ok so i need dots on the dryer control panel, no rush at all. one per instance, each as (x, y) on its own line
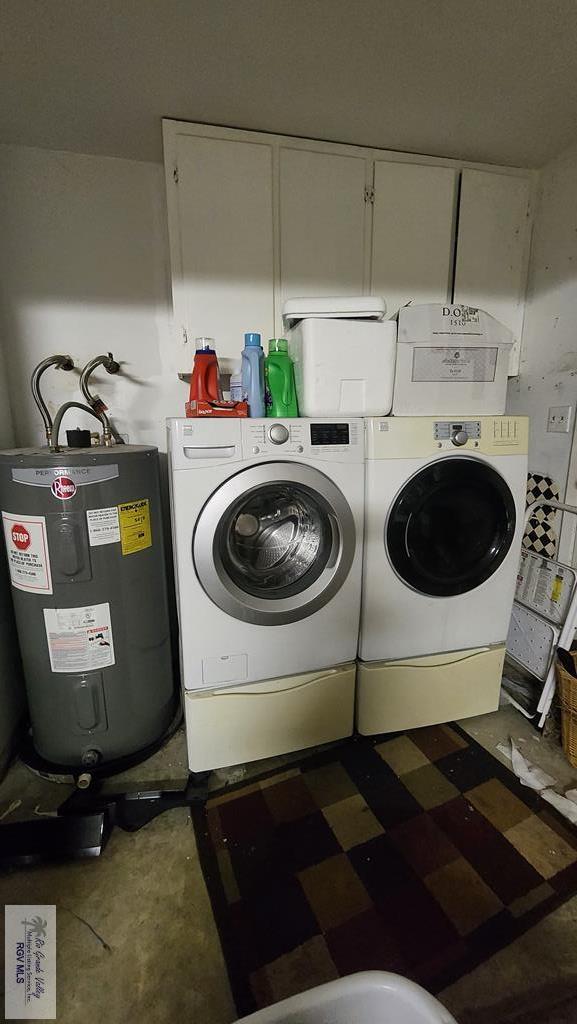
(497, 432)
(407, 437)
(457, 433)
(445, 429)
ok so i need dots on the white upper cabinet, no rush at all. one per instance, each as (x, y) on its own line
(413, 218)
(255, 219)
(493, 247)
(221, 230)
(323, 223)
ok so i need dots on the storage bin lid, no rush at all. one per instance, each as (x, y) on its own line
(331, 307)
(435, 323)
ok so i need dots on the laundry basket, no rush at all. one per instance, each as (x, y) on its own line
(372, 997)
(567, 689)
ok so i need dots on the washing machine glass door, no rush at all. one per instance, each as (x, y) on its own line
(450, 526)
(274, 543)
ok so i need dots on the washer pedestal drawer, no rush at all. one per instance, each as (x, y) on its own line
(395, 695)
(246, 723)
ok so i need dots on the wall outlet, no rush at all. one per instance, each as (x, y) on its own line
(559, 419)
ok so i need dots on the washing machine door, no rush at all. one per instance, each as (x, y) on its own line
(274, 543)
(450, 526)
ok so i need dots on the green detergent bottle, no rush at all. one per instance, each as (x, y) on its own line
(281, 396)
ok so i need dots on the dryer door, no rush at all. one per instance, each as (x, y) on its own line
(274, 543)
(450, 526)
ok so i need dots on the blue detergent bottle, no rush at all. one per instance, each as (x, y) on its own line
(253, 375)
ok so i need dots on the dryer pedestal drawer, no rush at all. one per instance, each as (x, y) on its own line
(231, 726)
(394, 695)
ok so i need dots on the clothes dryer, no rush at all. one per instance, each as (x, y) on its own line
(445, 507)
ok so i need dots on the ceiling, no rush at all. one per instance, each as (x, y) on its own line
(487, 80)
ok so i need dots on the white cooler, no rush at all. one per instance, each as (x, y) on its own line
(451, 361)
(343, 353)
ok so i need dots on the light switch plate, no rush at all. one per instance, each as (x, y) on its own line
(559, 419)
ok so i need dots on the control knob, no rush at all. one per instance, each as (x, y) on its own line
(459, 437)
(278, 433)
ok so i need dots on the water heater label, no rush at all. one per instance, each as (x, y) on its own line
(27, 550)
(79, 639)
(135, 532)
(103, 526)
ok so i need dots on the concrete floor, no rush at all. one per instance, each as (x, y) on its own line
(534, 980)
(145, 899)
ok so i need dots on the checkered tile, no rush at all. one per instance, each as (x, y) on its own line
(417, 853)
(542, 487)
(540, 535)
(541, 538)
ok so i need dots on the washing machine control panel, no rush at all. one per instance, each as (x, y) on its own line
(342, 440)
(329, 433)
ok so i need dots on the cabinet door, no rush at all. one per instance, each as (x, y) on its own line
(492, 247)
(223, 252)
(323, 221)
(413, 218)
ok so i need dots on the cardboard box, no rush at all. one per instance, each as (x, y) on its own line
(230, 409)
(451, 361)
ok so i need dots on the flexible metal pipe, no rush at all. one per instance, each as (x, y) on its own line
(109, 363)
(62, 363)
(107, 437)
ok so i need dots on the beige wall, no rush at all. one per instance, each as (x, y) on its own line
(548, 370)
(84, 269)
(550, 337)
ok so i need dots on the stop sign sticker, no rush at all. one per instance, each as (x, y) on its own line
(63, 487)
(28, 554)
(20, 537)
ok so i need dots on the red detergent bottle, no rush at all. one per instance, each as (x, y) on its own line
(205, 380)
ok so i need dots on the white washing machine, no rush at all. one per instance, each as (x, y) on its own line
(267, 520)
(444, 521)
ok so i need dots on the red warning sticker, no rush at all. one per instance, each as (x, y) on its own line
(27, 550)
(20, 537)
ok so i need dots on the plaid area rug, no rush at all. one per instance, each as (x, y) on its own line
(419, 854)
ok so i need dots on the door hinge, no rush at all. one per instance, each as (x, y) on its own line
(175, 175)
(369, 195)
(184, 336)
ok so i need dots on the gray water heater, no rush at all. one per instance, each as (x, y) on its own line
(85, 551)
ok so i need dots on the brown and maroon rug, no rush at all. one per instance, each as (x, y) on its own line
(419, 854)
